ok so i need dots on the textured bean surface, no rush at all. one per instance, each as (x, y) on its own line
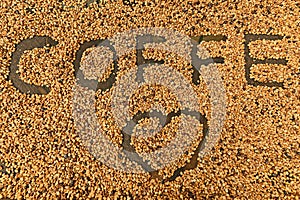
(258, 55)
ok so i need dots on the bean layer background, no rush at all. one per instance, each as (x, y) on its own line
(257, 155)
